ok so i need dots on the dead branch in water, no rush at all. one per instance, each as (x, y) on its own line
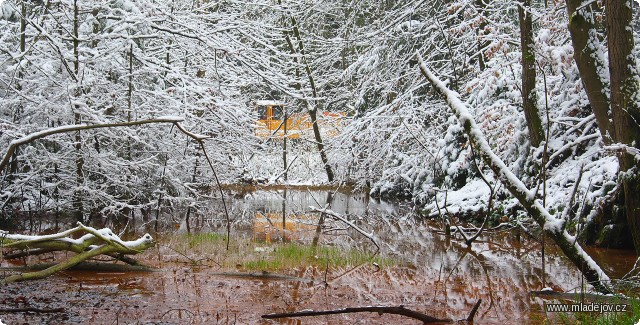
(337, 216)
(397, 310)
(32, 310)
(93, 243)
(474, 310)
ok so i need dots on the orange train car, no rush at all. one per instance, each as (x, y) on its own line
(271, 122)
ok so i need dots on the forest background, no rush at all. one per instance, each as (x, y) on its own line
(564, 121)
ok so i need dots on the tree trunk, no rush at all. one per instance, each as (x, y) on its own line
(311, 109)
(625, 104)
(582, 27)
(529, 95)
(482, 42)
(77, 195)
(13, 169)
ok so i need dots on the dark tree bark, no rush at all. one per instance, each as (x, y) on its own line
(582, 27)
(625, 104)
(77, 195)
(312, 109)
(482, 43)
(529, 95)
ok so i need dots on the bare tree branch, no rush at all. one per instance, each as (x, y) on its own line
(71, 128)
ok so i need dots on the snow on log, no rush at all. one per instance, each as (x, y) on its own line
(95, 242)
(553, 227)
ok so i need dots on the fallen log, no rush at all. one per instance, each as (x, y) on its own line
(397, 310)
(85, 266)
(95, 242)
(553, 226)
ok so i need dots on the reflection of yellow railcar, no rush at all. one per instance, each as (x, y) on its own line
(271, 115)
(270, 227)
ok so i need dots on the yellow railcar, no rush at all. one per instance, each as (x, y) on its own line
(272, 122)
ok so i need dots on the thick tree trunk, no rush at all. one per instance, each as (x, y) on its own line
(591, 64)
(553, 227)
(625, 104)
(529, 95)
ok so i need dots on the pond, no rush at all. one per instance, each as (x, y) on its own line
(200, 282)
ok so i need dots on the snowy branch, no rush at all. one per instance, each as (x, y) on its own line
(552, 226)
(619, 147)
(70, 128)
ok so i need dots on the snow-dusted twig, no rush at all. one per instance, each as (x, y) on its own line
(619, 147)
(286, 170)
(200, 140)
(492, 191)
(580, 140)
(565, 213)
(197, 137)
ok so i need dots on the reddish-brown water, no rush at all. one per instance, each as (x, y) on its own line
(431, 274)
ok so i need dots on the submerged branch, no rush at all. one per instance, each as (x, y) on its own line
(337, 216)
(399, 310)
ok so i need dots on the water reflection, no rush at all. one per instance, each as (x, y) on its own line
(432, 273)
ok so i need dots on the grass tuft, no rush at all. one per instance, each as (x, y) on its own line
(291, 255)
